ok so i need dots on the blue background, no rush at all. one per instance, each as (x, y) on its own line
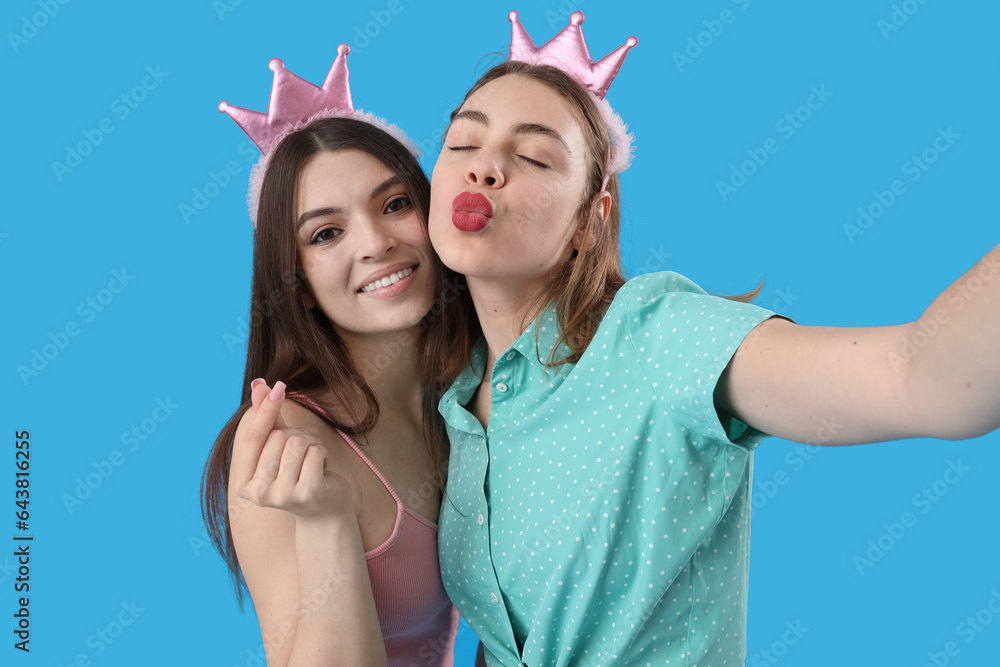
(139, 537)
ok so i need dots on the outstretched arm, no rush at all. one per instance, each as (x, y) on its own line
(298, 542)
(936, 377)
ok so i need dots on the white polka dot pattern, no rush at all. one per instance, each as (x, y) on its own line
(616, 504)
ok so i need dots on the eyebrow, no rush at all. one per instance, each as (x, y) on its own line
(336, 210)
(521, 128)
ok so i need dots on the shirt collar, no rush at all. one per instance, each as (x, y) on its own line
(547, 327)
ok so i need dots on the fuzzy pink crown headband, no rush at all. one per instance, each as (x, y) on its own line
(568, 52)
(294, 104)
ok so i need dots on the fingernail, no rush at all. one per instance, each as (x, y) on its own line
(311, 429)
(278, 392)
(253, 385)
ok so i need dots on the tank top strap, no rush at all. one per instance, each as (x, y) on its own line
(318, 409)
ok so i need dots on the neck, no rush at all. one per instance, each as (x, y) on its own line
(505, 310)
(390, 364)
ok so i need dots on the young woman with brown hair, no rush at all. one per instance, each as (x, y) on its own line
(602, 433)
(324, 499)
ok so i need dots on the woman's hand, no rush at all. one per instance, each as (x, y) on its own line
(304, 566)
(284, 468)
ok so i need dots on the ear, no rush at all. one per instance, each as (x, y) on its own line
(602, 204)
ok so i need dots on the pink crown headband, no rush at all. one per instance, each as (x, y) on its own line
(294, 104)
(568, 52)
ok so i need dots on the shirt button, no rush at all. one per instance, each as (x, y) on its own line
(510, 355)
(501, 387)
(481, 519)
(494, 597)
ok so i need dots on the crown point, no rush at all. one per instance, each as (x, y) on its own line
(223, 106)
(275, 64)
(576, 18)
(632, 41)
(343, 49)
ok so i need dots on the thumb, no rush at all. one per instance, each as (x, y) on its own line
(259, 390)
(248, 447)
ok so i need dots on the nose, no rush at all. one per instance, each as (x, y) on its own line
(486, 170)
(377, 241)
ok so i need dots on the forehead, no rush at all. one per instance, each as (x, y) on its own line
(513, 99)
(338, 178)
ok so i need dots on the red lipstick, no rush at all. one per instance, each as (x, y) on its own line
(472, 212)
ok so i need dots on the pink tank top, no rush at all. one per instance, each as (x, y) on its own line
(417, 618)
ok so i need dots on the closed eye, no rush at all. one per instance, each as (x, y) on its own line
(462, 148)
(536, 163)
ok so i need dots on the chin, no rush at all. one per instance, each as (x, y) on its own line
(456, 250)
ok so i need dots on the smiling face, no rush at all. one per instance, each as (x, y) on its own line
(507, 187)
(364, 250)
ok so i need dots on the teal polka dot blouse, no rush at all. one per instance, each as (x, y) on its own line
(603, 519)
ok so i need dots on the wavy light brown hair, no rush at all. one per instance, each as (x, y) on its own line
(299, 346)
(583, 289)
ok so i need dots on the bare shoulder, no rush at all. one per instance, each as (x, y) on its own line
(338, 454)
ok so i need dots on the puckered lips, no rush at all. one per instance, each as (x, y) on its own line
(472, 212)
(389, 281)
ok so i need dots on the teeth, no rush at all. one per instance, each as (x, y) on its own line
(391, 279)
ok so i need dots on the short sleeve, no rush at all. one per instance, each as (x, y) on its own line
(684, 338)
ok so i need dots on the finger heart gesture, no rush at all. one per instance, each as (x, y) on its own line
(284, 468)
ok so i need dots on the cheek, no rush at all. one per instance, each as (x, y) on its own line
(309, 264)
(323, 269)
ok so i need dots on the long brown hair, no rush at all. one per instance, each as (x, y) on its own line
(299, 346)
(582, 289)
